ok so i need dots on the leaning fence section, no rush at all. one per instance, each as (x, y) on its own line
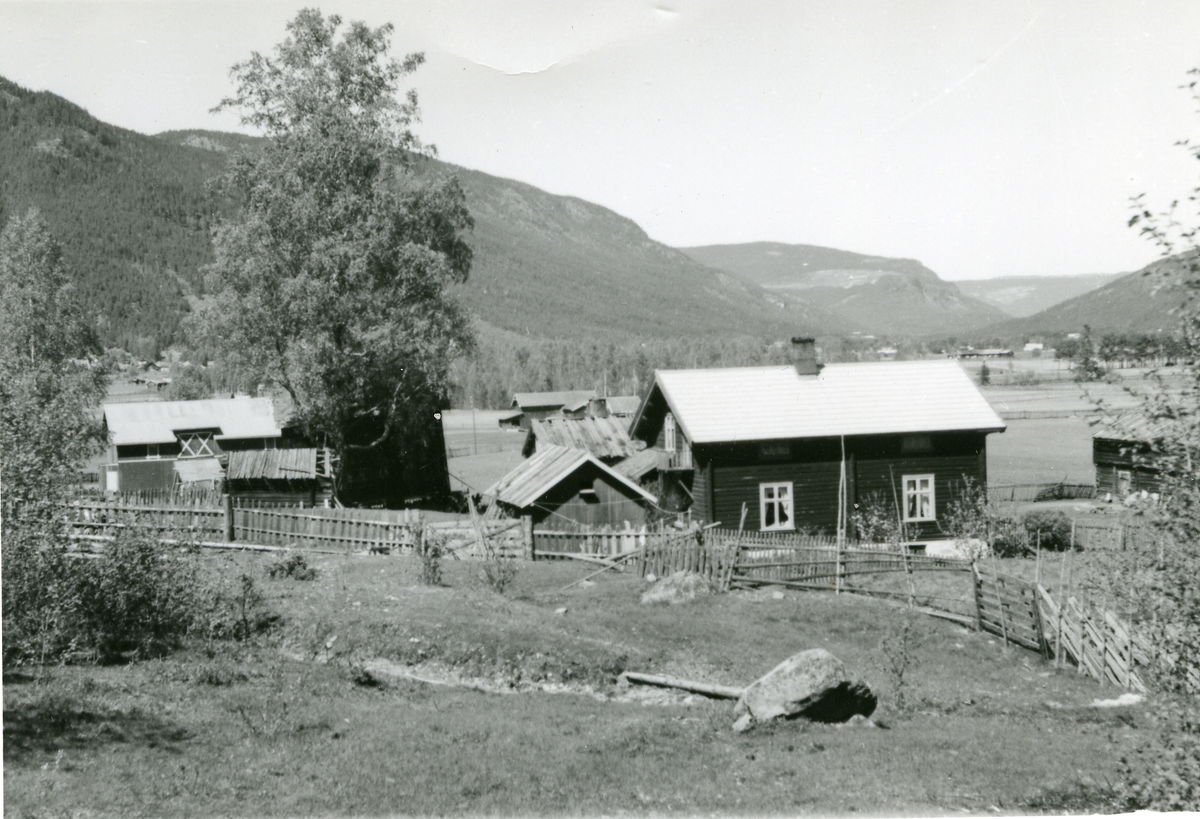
(1097, 642)
(1008, 607)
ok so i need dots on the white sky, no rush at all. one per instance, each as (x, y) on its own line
(984, 138)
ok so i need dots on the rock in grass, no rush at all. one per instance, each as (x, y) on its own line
(812, 684)
(677, 588)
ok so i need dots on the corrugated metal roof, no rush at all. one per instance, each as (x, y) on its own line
(603, 437)
(556, 399)
(273, 464)
(764, 403)
(623, 404)
(155, 422)
(537, 475)
(198, 470)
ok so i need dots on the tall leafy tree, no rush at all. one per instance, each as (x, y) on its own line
(48, 425)
(332, 282)
(48, 392)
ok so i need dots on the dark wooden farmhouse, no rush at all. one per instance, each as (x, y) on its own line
(776, 439)
(1125, 453)
(565, 489)
(155, 445)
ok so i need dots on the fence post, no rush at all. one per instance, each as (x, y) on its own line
(978, 582)
(229, 529)
(527, 536)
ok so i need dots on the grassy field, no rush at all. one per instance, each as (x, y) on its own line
(517, 710)
(1045, 450)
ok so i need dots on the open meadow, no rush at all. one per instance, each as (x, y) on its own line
(374, 694)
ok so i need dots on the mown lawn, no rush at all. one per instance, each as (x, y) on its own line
(315, 718)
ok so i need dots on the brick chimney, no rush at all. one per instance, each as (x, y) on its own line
(804, 355)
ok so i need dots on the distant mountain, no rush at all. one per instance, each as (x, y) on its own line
(135, 221)
(130, 211)
(1145, 301)
(1021, 296)
(558, 266)
(882, 295)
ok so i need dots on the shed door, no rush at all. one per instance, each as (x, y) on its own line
(112, 478)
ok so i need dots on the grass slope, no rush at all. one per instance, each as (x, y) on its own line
(308, 722)
(882, 295)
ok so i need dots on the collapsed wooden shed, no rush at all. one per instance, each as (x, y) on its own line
(561, 488)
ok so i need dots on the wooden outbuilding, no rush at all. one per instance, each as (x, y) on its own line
(799, 444)
(564, 489)
(1125, 453)
(301, 476)
(535, 406)
(155, 445)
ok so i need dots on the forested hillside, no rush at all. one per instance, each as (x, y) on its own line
(1147, 301)
(130, 211)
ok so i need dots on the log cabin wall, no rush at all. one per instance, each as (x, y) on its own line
(1111, 457)
(728, 475)
(589, 498)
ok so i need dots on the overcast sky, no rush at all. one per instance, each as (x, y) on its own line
(983, 138)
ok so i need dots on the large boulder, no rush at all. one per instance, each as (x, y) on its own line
(812, 684)
(678, 588)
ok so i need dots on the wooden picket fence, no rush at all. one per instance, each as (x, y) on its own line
(95, 519)
(602, 542)
(691, 551)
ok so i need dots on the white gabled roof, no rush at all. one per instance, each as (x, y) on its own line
(765, 403)
(155, 422)
(534, 477)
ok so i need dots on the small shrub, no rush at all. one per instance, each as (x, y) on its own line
(898, 649)
(293, 566)
(1054, 528)
(139, 596)
(238, 613)
(430, 550)
(1008, 537)
(876, 520)
(499, 572)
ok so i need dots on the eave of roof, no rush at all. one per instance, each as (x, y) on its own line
(772, 403)
(533, 477)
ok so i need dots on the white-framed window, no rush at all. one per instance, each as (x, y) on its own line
(919, 498)
(196, 445)
(775, 507)
(669, 432)
(153, 453)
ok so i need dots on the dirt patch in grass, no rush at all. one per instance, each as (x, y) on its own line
(289, 726)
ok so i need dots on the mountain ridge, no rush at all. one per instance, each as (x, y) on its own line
(888, 295)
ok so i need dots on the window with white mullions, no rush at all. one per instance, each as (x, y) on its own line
(196, 445)
(775, 506)
(918, 498)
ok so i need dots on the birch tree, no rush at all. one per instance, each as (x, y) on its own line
(333, 280)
